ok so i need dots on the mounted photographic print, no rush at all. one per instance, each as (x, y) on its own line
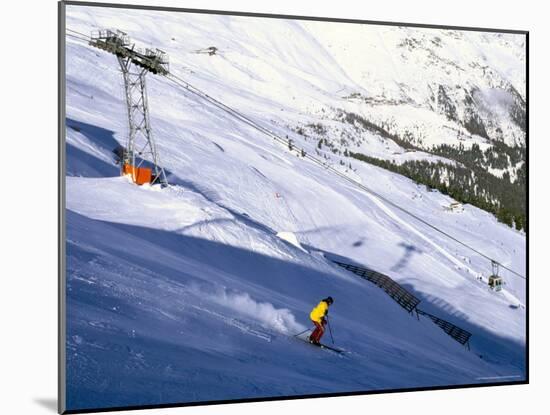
(258, 207)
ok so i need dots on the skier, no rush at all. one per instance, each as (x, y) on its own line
(317, 316)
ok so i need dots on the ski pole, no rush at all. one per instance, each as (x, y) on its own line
(302, 332)
(329, 329)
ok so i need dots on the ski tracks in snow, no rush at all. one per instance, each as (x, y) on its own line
(245, 328)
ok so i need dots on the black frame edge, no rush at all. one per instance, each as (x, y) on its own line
(291, 398)
(288, 16)
(527, 208)
(61, 236)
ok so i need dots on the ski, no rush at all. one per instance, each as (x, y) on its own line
(324, 346)
(299, 336)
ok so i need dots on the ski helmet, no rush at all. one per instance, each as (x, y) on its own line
(329, 300)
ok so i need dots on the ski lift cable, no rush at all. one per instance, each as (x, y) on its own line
(243, 118)
(74, 33)
(76, 37)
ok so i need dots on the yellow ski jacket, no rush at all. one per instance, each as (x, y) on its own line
(319, 312)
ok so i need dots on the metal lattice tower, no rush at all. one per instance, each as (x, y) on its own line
(135, 64)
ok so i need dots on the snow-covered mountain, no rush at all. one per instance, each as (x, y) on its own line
(192, 292)
(475, 80)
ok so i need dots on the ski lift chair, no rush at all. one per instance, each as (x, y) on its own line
(495, 281)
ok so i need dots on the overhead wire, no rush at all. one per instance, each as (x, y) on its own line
(76, 37)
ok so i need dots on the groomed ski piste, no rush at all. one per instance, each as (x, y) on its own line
(194, 292)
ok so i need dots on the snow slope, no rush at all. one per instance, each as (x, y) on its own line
(192, 292)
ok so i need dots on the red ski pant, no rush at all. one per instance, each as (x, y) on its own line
(318, 332)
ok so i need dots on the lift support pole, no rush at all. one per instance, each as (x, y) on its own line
(135, 64)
